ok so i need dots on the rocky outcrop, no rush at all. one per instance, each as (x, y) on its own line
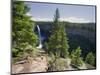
(39, 64)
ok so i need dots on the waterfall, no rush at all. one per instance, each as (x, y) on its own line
(40, 41)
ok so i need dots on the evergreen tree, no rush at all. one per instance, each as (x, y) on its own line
(90, 58)
(58, 42)
(22, 28)
(76, 57)
(64, 42)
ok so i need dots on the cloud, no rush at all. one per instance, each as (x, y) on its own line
(41, 19)
(68, 19)
(75, 20)
(28, 14)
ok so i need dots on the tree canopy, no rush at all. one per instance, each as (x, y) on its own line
(58, 41)
(90, 58)
(22, 28)
(76, 57)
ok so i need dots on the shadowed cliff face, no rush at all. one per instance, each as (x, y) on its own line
(82, 32)
(82, 35)
(86, 30)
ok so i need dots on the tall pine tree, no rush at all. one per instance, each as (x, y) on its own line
(58, 42)
(22, 28)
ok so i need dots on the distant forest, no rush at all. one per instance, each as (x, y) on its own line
(82, 34)
(86, 26)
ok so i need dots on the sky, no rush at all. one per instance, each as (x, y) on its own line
(71, 13)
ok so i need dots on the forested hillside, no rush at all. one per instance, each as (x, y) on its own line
(82, 34)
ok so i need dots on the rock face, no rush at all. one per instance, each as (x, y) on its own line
(69, 65)
(38, 64)
(82, 32)
(73, 29)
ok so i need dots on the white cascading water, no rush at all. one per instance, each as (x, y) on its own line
(40, 42)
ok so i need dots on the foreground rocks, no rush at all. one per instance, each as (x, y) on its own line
(39, 64)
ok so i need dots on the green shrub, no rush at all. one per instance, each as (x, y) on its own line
(90, 58)
(76, 57)
(23, 51)
(57, 64)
